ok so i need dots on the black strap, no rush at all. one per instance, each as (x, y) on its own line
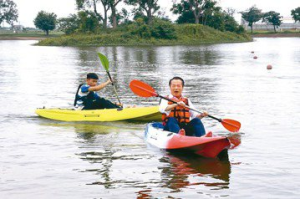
(76, 96)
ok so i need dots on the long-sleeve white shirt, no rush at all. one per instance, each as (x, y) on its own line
(164, 103)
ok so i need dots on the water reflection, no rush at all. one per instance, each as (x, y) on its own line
(105, 160)
(82, 127)
(183, 171)
(200, 56)
(144, 194)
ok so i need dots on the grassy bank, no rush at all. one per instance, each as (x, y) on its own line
(188, 34)
(35, 35)
(266, 33)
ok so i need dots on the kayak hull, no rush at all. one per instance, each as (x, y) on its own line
(146, 114)
(209, 147)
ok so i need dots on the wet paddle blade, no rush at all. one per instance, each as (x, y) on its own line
(104, 61)
(231, 125)
(142, 89)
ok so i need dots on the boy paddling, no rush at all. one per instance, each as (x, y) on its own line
(176, 117)
(86, 97)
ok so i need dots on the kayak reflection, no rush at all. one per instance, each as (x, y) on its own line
(91, 128)
(183, 171)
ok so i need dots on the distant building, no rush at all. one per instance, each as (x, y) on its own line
(17, 28)
(288, 23)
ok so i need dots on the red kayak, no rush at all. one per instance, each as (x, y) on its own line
(209, 147)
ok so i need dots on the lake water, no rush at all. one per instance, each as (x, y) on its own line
(41, 158)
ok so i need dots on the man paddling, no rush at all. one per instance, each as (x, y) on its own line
(86, 98)
(176, 117)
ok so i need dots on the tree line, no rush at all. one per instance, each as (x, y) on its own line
(254, 14)
(96, 15)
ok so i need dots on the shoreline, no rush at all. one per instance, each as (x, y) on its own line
(260, 35)
(136, 44)
(275, 35)
(21, 38)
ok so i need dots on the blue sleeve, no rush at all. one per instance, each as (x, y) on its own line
(85, 88)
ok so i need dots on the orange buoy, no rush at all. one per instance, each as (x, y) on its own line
(269, 67)
(255, 57)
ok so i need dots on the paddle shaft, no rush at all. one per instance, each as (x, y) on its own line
(168, 99)
(188, 107)
(115, 90)
(219, 120)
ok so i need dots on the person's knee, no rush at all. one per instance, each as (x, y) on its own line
(172, 119)
(196, 121)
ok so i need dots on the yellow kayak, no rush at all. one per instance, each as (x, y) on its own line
(102, 115)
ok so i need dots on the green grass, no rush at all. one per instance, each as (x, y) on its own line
(29, 33)
(187, 34)
(272, 32)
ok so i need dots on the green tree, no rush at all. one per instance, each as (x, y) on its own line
(84, 21)
(273, 18)
(183, 10)
(88, 22)
(148, 6)
(216, 21)
(163, 29)
(195, 11)
(252, 15)
(8, 11)
(209, 8)
(296, 14)
(85, 5)
(113, 4)
(160, 29)
(69, 24)
(45, 21)
(124, 16)
(138, 14)
(230, 23)
(212, 16)
(121, 17)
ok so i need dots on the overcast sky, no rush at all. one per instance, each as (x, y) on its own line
(28, 9)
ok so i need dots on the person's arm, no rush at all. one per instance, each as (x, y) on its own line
(195, 114)
(100, 86)
(165, 107)
(162, 106)
(202, 115)
(171, 106)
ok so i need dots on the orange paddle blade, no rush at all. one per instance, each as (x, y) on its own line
(142, 89)
(231, 125)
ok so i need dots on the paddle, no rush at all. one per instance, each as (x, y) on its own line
(105, 64)
(144, 90)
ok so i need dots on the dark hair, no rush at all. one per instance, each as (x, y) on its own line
(92, 76)
(176, 78)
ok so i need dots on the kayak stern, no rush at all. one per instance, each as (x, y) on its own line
(209, 147)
